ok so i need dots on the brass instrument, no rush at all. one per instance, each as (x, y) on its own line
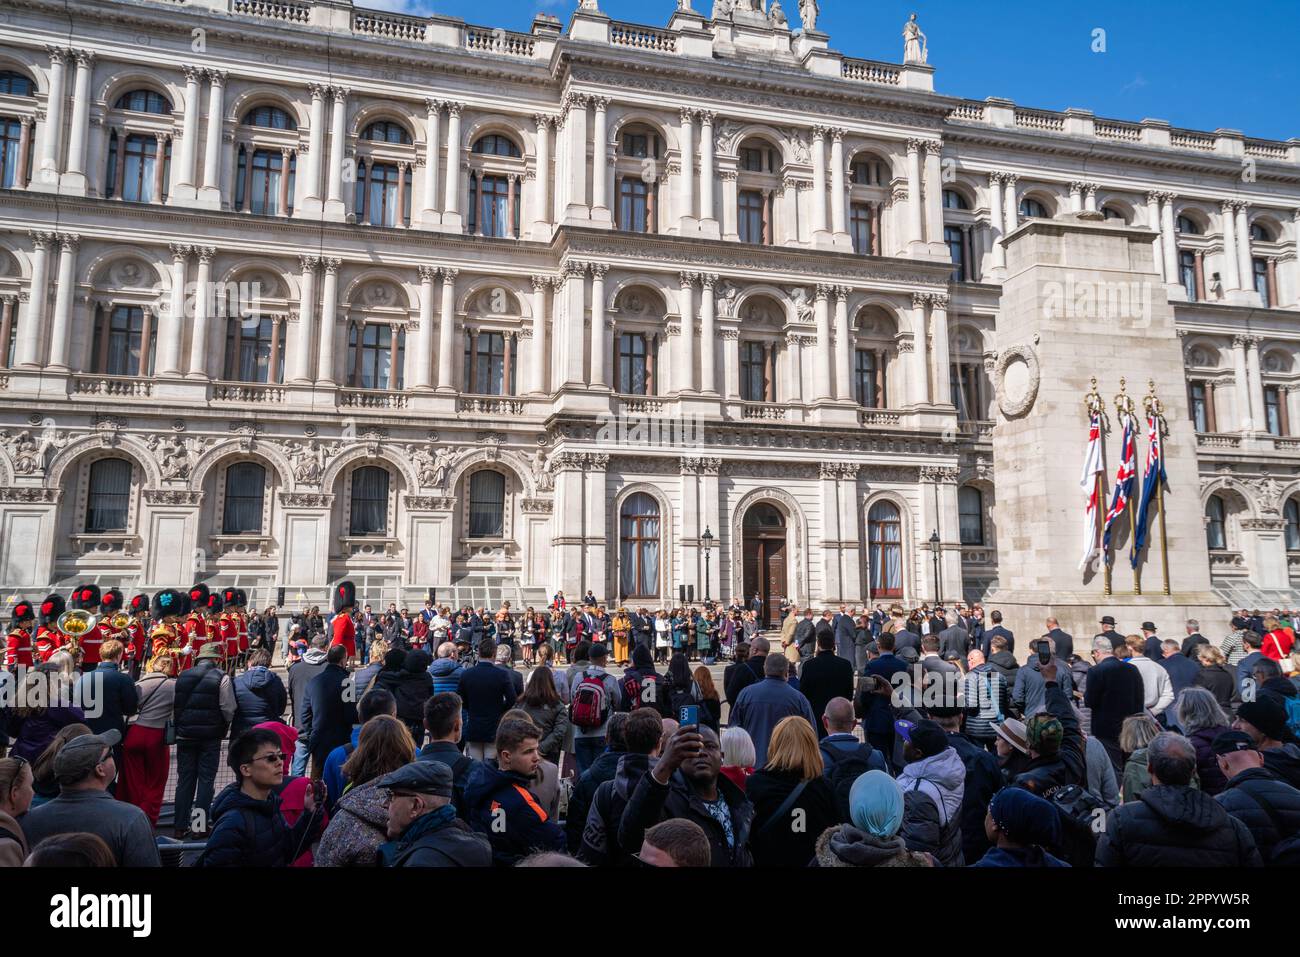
(120, 621)
(74, 624)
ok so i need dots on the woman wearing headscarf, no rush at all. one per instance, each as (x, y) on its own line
(1020, 825)
(872, 839)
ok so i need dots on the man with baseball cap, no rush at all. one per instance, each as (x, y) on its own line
(423, 828)
(84, 769)
(933, 783)
(1265, 721)
(1258, 798)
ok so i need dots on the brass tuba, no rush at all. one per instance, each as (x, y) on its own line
(74, 624)
(120, 621)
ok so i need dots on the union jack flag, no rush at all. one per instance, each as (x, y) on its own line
(1155, 475)
(1124, 477)
(1092, 467)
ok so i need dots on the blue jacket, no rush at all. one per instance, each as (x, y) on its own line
(488, 693)
(1019, 857)
(446, 675)
(991, 633)
(846, 633)
(259, 697)
(1182, 672)
(333, 773)
(494, 796)
(760, 708)
(115, 695)
(251, 833)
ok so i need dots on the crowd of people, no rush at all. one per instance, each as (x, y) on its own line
(834, 738)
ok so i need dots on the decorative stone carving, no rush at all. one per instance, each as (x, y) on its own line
(1268, 494)
(175, 455)
(940, 474)
(1016, 378)
(694, 465)
(308, 460)
(543, 480)
(172, 496)
(247, 435)
(32, 453)
(537, 506)
(803, 307)
(306, 499)
(430, 503)
(29, 494)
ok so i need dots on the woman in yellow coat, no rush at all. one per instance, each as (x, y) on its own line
(622, 629)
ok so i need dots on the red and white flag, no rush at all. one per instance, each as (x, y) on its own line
(1092, 467)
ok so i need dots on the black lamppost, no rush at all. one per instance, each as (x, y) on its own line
(938, 571)
(707, 540)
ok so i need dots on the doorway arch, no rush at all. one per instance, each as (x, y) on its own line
(764, 558)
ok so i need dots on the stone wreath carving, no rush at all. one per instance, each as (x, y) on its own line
(1017, 392)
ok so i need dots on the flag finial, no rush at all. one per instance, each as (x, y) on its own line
(1093, 403)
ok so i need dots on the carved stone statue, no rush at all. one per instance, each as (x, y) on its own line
(723, 9)
(308, 462)
(808, 11)
(727, 297)
(173, 457)
(776, 16)
(803, 307)
(915, 47)
(423, 461)
(541, 470)
(442, 460)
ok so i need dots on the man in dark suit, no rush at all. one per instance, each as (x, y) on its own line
(329, 715)
(1194, 638)
(846, 634)
(824, 626)
(824, 676)
(1062, 641)
(805, 635)
(1153, 649)
(877, 714)
(1114, 692)
(997, 629)
(1108, 631)
(1182, 670)
(953, 640)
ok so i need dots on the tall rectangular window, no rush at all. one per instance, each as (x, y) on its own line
(120, 354)
(376, 354)
(750, 216)
(485, 363)
(248, 350)
(1259, 268)
(952, 238)
(1196, 399)
(633, 205)
(10, 136)
(864, 378)
(860, 227)
(1187, 272)
(753, 371)
(108, 497)
(632, 363)
(1275, 410)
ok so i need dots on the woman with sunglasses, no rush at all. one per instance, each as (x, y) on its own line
(250, 831)
(15, 798)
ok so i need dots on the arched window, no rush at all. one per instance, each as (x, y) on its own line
(270, 118)
(108, 498)
(494, 144)
(970, 512)
(642, 143)
(245, 488)
(143, 101)
(1031, 208)
(1291, 512)
(869, 171)
(1186, 226)
(254, 350)
(885, 550)
(11, 132)
(376, 355)
(632, 352)
(954, 200)
(1260, 234)
(369, 512)
(1111, 213)
(639, 548)
(487, 505)
(757, 157)
(14, 83)
(1215, 530)
(386, 131)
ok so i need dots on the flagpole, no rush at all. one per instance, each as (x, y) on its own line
(1095, 405)
(1155, 409)
(1124, 408)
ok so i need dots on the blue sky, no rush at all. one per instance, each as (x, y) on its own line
(1188, 63)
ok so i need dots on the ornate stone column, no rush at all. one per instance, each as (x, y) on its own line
(301, 351)
(823, 385)
(1154, 223)
(183, 176)
(995, 222)
(600, 161)
(335, 207)
(819, 184)
(540, 354)
(1241, 383)
(423, 368)
(211, 191)
(1231, 276)
(171, 330)
(202, 310)
(599, 348)
(684, 362)
(311, 170)
(47, 149)
(65, 287)
(447, 330)
(329, 323)
(75, 178)
(942, 366)
(451, 203)
(542, 193)
(933, 192)
(1169, 236)
(706, 170)
(1256, 383)
(838, 205)
(843, 346)
(429, 213)
(708, 335)
(921, 360)
(31, 326)
(730, 201)
(1245, 265)
(686, 185)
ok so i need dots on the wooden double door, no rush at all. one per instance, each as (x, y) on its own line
(764, 560)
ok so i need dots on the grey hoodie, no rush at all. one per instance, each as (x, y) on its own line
(942, 777)
(932, 794)
(300, 675)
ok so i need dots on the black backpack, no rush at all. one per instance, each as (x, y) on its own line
(842, 769)
(1082, 816)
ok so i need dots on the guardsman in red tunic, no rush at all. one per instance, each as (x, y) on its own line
(168, 608)
(48, 637)
(110, 603)
(223, 631)
(243, 627)
(86, 598)
(345, 632)
(138, 631)
(232, 596)
(195, 627)
(18, 643)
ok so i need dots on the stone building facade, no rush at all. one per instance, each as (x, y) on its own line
(294, 291)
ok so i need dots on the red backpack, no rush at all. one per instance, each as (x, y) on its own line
(590, 702)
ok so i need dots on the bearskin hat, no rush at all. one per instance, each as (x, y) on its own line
(140, 604)
(86, 597)
(51, 608)
(169, 603)
(215, 604)
(198, 596)
(23, 611)
(345, 596)
(111, 601)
